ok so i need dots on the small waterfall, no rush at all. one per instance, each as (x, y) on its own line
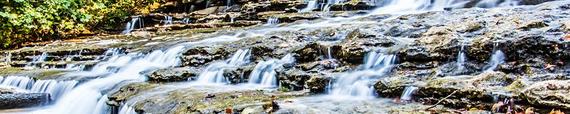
(186, 20)
(497, 3)
(232, 19)
(329, 55)
(407, 95)
(497, 58)
(167, 20)
(359, 83)
(272, 21)
(310, 6)
(18, 81)
(55, 88)
(102, 107)
(132, 24)
(461, 59)
(8, 58)
(214, 73)
(88, 96)
(36, 60)
(264, 71)
(127, 109)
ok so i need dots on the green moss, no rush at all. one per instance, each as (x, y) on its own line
(48, 74)
(9, 70)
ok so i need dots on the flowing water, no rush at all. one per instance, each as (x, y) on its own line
(311, 5)
(167, 20)
(90, 96)
(132, 24)
(272, 21)
(214, 73)
(264, 72)
(407, 95)
(358, 84)
(36, 61)
(497, 58)
(28, 85)
(461, 59)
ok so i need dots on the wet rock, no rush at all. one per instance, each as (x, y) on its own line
(23, 100)
(549, 93)
(294, 79)
(173, 75)
(532, 24)
(317, 84)
(202, 55)
(308, 53)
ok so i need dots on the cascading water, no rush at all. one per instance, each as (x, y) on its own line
(86, 97)
(167, 20)
(497, 3)
(358, 84)
(310, 6)
(329, 55)
(186, 20)
(36, 60)
(127, 109)
(272, 21)
(497, 58)
(18, 81)
(264, 71)
(53, 87)
(408, 92)
(214, 72)
(132, 24)
(461, 59)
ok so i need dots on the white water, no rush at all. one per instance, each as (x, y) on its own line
(36, 60)
(461, 59)
(53, 87)
(407, 95)
(272, 21)
(358, 84)
(329, 55)
(18, 81)
(214, 73)
(264, 72)
(86, 97)
(167, 20)
(127, 109)
(496, 3)
(132, 24)
(310, 6)
(497, 58)
(186, 20)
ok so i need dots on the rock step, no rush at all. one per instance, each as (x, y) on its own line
(23, 100)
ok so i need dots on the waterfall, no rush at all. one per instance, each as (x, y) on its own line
(272, 21)
(127, 109)
(497, 58)
(186, 20)
(53, 87)
(310, 6)
(461, 59)
(408, 92)
(132, 24)
(20, 82)
(167, 20)
(358, 84)
(264, 71)
(36, 60)
(86, 97)
(496, 3)
(214, 73)
(329, 55)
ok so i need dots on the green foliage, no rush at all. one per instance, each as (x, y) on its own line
(38, 20)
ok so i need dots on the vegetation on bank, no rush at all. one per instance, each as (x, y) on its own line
(38, 20)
